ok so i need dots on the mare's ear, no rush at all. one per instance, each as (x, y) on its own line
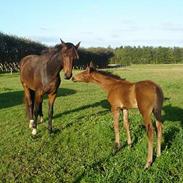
(63, 43)
(77, 46)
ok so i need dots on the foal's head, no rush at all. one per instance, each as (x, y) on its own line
(69, 54)
(84, 76)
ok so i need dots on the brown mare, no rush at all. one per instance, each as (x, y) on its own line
(123, 95)
(40, 74)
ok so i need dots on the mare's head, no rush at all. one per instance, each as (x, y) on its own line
(84, 76)
(69, 53)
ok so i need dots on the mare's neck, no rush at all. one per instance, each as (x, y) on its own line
(106, 82)
(54, 65)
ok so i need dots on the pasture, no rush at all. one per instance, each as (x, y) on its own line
(80, 149)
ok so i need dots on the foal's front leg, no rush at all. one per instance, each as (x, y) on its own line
(115, 112)
(126, 126)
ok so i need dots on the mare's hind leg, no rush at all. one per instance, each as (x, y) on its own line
(51, 100)
(126, 126)
(159, 127)
(115, 112)
(29, 104)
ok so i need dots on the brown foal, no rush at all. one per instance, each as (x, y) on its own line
(123, 95)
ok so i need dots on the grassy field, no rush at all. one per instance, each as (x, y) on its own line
(80, 149)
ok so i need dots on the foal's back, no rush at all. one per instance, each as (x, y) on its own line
(142, 95)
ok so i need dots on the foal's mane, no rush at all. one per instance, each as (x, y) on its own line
(109, 74)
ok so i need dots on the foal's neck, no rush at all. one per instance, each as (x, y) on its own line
(106, 82)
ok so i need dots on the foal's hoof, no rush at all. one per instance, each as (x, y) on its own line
(148, 164)
(41, 119)
(116, 148)
(129, 146)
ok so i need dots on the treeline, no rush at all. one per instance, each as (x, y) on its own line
(147, 55)
(13, 48)
(99, 56)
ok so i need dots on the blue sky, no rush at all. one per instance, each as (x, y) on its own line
(95, 22)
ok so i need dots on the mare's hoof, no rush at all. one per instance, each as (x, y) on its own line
(50, 131)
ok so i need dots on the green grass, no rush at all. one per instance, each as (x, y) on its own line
(80, 149)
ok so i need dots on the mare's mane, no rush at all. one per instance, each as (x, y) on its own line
(56, 48)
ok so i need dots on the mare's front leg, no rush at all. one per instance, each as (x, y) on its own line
(40, 112)
(51, 100)
(38, 100)
(115, 112)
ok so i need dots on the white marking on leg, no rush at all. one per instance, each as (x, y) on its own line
(31, 123)
(34, 131)
(41, 119)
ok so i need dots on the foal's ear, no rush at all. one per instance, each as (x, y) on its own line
(92, 66)
(77, 46)
(88, 69)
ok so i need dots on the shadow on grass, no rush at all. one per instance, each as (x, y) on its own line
(13, 98)
(102, 103)
(172, 113)
(79, 120)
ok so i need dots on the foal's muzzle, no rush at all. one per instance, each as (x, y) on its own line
(67, 76)
(73, 79)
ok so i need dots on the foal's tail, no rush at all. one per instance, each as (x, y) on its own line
(158, 103)
(32, 94)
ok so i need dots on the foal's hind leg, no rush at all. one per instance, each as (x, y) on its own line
(149, 129)
(157, 115)
(146, 113)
